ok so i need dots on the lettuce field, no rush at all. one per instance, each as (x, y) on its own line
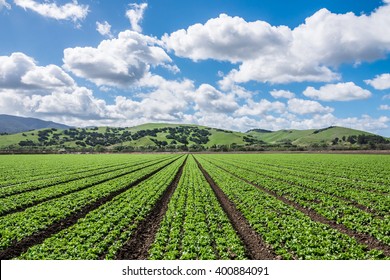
(195, 206)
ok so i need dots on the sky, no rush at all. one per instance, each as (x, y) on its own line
(236, 65)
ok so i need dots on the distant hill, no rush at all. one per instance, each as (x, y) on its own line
(12, 124)
(309, 137)
(179, 137)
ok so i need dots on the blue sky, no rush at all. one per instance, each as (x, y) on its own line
(230, 64)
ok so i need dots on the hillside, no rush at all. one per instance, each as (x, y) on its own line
(13, 124)
(309, 137)
(176, 137)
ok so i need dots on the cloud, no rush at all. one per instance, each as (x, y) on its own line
(104, 28)
(384, 107)
(282, 94)
(19, 72)
(118, 62)
(229, 39)
(237, 90)
(303, 107)
(158, 99)
(209, 99)
(365, 122)
(3, 3)
(333, 39)
(286, 121)
(70, 11)
(338, 92)
(47, 92)
(43, 91)
(12, 68)
(381, 82)
(278, 54)
(79, 103)
(260, 108)
(135, 15)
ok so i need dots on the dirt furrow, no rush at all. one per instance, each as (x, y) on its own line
(256, 248)
(138, 246)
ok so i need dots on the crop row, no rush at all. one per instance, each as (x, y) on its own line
(365, 169)
(81, 178)
(378, 203)
(290, 232)
(23, 200)
(103, 231)
(25, 168)
(195, 226)
(77, 170)
(331, 173)
(325, 205)
(14, 227)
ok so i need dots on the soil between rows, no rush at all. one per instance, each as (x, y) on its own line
(256, 248)
(365, 239)
(18, 248)
(138, 246)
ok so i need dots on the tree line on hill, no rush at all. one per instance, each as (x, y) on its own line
(173, 139)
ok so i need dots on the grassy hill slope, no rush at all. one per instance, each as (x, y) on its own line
(309, 136)
(161, 136)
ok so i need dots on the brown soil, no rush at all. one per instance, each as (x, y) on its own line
(365, 239)
(17, 248)
(256, 248)
(24, 207)
(138, 246)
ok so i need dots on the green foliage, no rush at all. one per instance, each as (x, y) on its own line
(16, 226)
(329, 185)
(195, 227)
(172, 137)
(105, 230)
(351, 190)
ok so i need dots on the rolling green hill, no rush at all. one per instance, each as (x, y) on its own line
(308, 137)
(178, 137)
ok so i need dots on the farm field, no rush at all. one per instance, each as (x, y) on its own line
(195, 206)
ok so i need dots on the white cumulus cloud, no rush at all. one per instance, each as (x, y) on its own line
(19, 72)
(380, 82)
(135, 14)
(282, 94)
(384, 107)
(303, 107)
(71, 11)
(260, 108)
(210, 99)
(338, 92)
(119, 62)
(277, 54)
(228, 38)
(104, 28)
(28, 89)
